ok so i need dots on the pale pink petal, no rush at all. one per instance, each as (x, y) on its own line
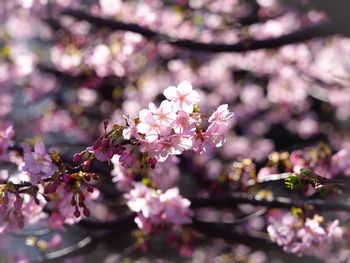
(170, 92)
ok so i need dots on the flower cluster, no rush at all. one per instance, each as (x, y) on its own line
(310, 237)
(157, 135)
(43, 179)
(175, 126)
(154, 207)
(38, 163)
(69, 207)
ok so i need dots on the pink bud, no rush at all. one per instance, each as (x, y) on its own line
(77, 212)
(87, 177)
(152, 162)
(105, 125)
(78, 158)
(86, 165)
(120, 149)
(86, 212)
(97, 144)
(90, 189)
(18, 203)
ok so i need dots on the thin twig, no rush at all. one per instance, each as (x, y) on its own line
(278, 202)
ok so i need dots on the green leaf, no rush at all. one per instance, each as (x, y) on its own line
(307, 172)
(292, 181)
(322, 190)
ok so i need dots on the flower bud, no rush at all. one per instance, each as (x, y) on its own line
(77, 212)
(78, 158)
(86, 212)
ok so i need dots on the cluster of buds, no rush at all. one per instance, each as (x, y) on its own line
(18, 206)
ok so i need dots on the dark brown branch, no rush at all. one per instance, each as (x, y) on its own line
(319, 30)
(118, 227)
(232, 200)
(60, 74)
(126, 221)
(278, 202)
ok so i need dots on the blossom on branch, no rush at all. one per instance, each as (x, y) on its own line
(38, 163)
(183, 96)
(154, 207)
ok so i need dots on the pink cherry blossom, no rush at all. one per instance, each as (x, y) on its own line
(183, 96)
(149, 126)
(143, 223)
(341, 162)
(103, 149)
(221, 116)
(184, 124)
(110, 7)
(165, 114)
(38, 163)
(304, 238)
(154, 207)
(137, 197)
(172, 145)
(127, 158)
(177, 209)
(122, 176)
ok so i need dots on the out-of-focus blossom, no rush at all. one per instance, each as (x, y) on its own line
(38, 163)
(307, 237)
(341, 162)
(154, 207)
(110, 7)
(176, 209)
(5, 141)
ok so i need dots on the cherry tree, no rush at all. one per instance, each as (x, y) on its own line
(161, 131)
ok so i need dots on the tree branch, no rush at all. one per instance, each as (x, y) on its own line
(118, 227)
(318, 30)
(235, 235)
(278, 202)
